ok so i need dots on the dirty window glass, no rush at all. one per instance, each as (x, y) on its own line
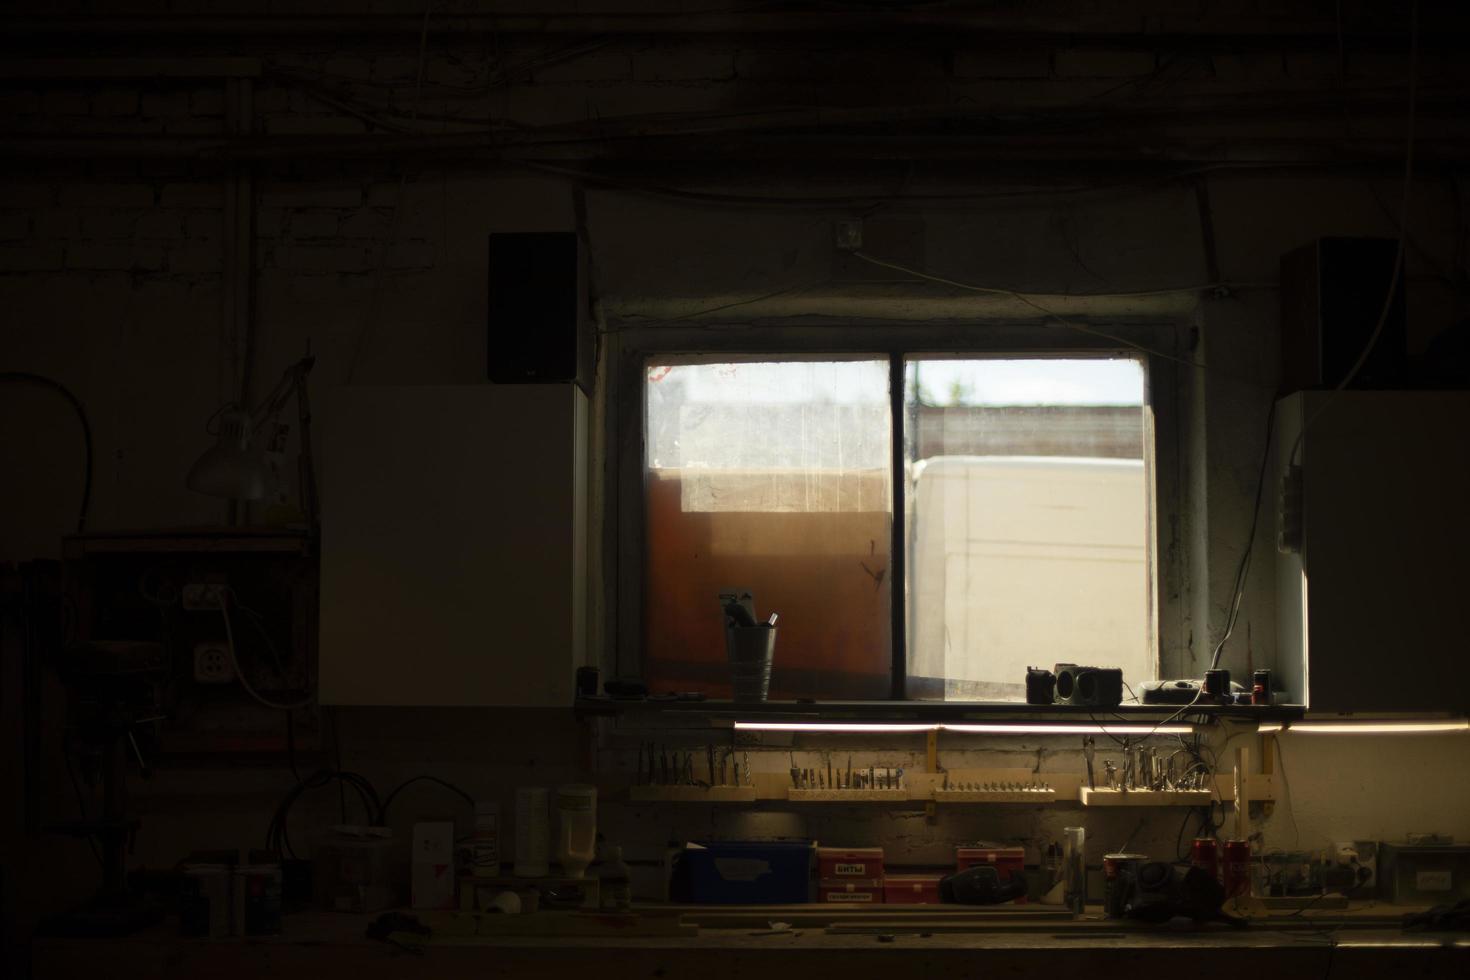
(1027, 521)
(771, 476)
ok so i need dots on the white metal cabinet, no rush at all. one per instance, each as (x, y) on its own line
(1371, 613)
(453, 545)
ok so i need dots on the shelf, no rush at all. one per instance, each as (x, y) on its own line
(720, 713)
(847, 795)
(1145, 797)
(692, 794)
(995, 796)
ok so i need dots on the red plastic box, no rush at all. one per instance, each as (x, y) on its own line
(868, 892)
(911, 889)
(849, 863)
(1007, 860)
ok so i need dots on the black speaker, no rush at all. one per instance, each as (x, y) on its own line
(1098, 687)
(1332, 293)
(538, 332)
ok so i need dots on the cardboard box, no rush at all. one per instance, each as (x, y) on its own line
(844, 863)
(432, 865)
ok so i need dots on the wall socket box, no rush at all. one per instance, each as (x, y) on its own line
(1362, 856)
(202, 595)
(212, 664)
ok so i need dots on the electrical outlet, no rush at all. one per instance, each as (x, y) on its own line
(212, 664)
(203, 595)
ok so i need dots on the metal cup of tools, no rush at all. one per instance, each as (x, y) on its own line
(750, 646)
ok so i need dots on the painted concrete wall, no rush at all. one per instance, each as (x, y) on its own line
(110, 279)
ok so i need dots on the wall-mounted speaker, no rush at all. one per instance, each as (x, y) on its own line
(1332, 293)
(538, 330)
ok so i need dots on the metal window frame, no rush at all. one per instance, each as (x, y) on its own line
(627, 349)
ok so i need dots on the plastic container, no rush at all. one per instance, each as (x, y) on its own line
(351, 869)
(911, 889)
(615, 890)
(1114, 865)
(1074, 867)
(533, 833)
(751, 652)
(205, 900)
(576, 828)
(257, 899)
(867, 892)
(1008, 861)
(485, 846)
(849, 862)
(744, 872)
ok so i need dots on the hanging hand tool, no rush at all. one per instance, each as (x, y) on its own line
(849, 772)
(748, 781)
(830, 784)
(663, 765)
(709, 751)
(795, 773)
(1089, 749)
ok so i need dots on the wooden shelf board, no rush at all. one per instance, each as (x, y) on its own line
(1145, 797)
(995, 796)
(692, 794)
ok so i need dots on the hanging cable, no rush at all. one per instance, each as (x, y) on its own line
(25, 377)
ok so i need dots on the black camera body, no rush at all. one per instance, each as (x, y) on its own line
(1094, 687)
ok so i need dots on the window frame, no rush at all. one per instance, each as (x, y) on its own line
(627, 349)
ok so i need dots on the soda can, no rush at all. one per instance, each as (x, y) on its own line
(1235, 868)
(1204, 853)
(1261, 687)
(1114, 891)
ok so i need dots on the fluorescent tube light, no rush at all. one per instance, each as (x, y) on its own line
(832, 726)
(994, 728)
(1027, 728)
(1268, 727)
(1377, 727)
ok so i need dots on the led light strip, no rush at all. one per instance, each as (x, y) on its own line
(995, 728)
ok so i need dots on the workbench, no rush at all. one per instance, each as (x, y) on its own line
(318, 945)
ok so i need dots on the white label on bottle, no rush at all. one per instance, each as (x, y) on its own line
(1433, 881)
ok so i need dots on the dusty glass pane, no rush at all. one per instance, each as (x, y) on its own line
(772, 477)
(1028, 521)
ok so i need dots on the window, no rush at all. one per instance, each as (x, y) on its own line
(1027, 521)
(1025, 485)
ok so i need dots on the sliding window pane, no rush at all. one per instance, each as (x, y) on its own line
(771, 476)
(1028, 522)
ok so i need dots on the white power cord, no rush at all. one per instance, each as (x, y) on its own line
(224, 610)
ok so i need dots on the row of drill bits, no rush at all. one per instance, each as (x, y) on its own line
(873, 777)
(971, 787)
(657, 766)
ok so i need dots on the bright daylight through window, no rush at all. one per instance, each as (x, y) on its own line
(1026, 529)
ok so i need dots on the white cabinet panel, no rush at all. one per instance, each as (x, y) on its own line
(453, 545)
(1372, 609)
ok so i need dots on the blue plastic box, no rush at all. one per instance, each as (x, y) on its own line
(745, 872)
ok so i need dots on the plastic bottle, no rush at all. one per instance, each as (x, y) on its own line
(615, 889)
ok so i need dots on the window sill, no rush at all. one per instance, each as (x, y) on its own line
(723, 713)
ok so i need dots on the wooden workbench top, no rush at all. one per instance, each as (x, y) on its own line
(319, 945)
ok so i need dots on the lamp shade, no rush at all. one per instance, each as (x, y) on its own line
(232, 468)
